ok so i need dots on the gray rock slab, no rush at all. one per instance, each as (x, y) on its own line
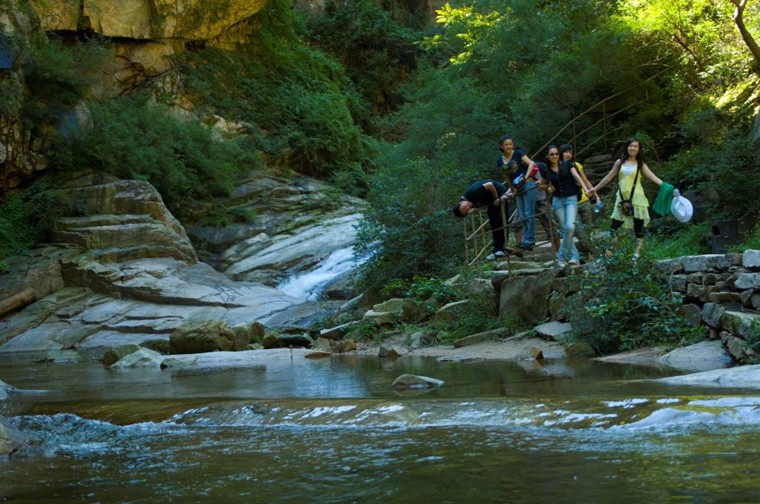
(735, 377)
(747, 281)
(751, 259)
(142, 358)
(702, 356)
(317, 240)
(554, 330)
(410, 381)
(641, 356)
(250, 359)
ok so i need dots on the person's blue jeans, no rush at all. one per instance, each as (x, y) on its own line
(526, 209)
(566, 210)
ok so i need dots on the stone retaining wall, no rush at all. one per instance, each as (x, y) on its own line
(722, 292)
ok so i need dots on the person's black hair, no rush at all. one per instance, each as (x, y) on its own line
(564, 148)
(457, 211)
(546, 156)
(639, 155)
(503, 138)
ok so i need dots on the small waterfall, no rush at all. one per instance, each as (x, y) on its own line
(309, 284)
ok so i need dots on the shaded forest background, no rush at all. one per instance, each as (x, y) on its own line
(405, 111)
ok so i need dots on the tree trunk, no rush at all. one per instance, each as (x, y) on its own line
(746, 35)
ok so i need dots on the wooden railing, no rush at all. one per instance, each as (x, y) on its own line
(606, 116)
(478, 232)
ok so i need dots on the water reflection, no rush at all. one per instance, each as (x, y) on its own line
(333, 430)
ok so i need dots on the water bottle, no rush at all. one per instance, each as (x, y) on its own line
(599, 205)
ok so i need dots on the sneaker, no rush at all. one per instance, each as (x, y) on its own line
(635, 257)
(574, 262)
(561, 264)
(498, 253)
(526, 246)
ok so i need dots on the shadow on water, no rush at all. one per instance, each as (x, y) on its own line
(333, 430)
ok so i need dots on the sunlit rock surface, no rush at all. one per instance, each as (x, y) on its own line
(146, 19)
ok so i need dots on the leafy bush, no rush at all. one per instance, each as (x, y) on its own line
(753, 342)
(629, 305)
(410, 220)
(25, 218)
(298, 101)
(58, 76)
(750, 241)
(673, 239)
(137, 140)
(421, 289)
(376, 51)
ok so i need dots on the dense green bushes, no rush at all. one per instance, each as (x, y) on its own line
(135, 139)
(626, 305)
(377, 52)
(57, 76)
(26, 218)
(410, 220)
(298, 101)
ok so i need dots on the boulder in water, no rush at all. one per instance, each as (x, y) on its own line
(208, 336)
(143, 358)
(410, 381)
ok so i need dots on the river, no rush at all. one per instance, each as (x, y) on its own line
(333, 430)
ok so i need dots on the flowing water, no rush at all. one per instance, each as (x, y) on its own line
(333, 430)
(309, 285)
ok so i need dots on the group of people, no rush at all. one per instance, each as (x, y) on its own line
(573, 197)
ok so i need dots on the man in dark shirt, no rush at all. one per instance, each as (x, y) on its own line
(491, 195)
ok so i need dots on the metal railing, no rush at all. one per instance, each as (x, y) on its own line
(478, 232)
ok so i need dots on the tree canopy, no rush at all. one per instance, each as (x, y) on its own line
(678, 73)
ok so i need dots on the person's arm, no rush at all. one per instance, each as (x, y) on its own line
(528, 162)
(582, 173)
(579, 180)
(650, 175)
(494, 193)
(607, 178)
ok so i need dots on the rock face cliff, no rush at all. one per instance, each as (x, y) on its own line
(146, 34)
(143, 37)
(123, 271)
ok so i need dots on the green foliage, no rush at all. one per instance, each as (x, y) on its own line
(673, 239)
(481, 314)
(753, 342)
(16, 234)
(411, 222)
(376, 51)
(215, 215)
(629, 305)
(421, 289)
(749, 241)
(137, 140)
(675, 72)
(298, 101)
(25, 218)
(57, 77)
(365, 331)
